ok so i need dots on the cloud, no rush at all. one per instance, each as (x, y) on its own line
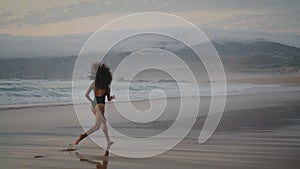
(90, 8)
(272, 21)
(74, 26)
(266, 15)
(82, 9)
(5, 16)
(50, 15)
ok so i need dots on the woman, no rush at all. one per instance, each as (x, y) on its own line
(100, 86)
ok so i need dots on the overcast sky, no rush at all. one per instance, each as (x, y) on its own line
(58, 17)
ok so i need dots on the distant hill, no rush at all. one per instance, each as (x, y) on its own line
(252, 56)
(37, 68)
(258, 54)
(254, 48)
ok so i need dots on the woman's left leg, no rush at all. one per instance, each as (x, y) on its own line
(104, 125)
(99, 120)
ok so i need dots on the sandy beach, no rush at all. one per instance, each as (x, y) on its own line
(257, 130)
(275, 79)
(186, 84)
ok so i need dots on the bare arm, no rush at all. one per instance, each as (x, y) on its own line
(109, 98)
(87, 94)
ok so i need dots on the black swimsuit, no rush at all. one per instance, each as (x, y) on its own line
(100, 99)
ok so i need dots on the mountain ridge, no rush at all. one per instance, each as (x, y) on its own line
(253, 55)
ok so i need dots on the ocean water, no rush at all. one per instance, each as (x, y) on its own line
(20, 91)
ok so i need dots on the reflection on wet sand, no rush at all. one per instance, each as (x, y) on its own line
(97, 162)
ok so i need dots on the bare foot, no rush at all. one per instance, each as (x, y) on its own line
(110, 143)
(80, 137)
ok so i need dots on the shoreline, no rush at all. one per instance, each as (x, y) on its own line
(267, 79)
(280, 81)
(37, 105)
(255, 130)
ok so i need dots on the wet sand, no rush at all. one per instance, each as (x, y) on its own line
(275, 79)
(258, 130)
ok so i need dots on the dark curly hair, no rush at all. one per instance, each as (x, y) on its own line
(94, 68)
(103, 77)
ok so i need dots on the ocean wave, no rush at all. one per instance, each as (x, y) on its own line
(18, 91)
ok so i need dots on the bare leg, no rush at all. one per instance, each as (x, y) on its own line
(104, 125)
(97, 125)
(80, 137)
(105, 131)
(93, 109)
(99, 112)
(99, 119)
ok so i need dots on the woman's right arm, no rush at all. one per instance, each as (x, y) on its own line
(109, 97)
(87, 94)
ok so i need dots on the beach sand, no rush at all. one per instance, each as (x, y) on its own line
(258, 130)
(269, 79)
